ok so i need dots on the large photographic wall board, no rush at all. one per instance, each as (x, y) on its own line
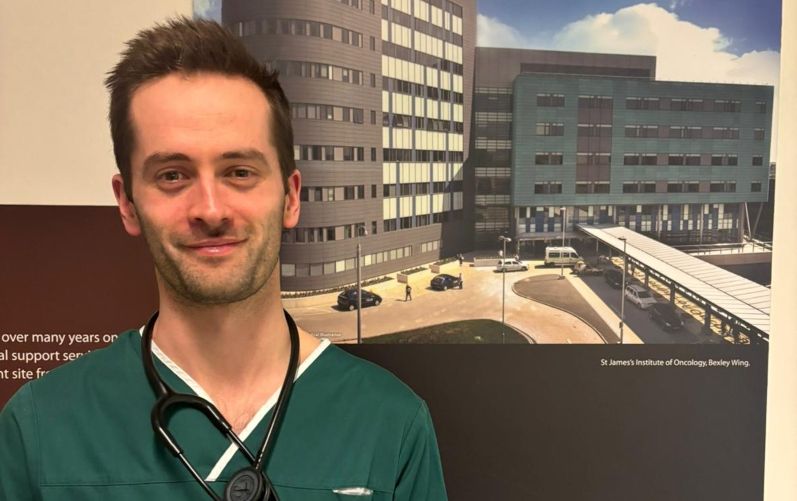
(548, 422)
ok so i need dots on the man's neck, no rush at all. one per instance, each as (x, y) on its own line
(238, 353)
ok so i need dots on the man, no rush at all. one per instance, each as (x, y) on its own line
(407, 293)
(203, 142)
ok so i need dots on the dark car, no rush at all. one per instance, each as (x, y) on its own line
(666, 315)
(614, 277)
(347, 300)
(445, 281)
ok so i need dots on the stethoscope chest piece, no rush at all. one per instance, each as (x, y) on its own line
(247, 485)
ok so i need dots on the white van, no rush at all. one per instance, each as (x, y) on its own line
(561, 256)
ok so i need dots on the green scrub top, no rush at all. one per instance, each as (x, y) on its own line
(352, 431)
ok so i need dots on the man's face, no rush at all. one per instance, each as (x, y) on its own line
(208, 194)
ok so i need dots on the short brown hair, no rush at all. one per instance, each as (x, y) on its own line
(183, 45)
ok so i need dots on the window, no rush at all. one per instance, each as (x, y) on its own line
(548, 158)
(755, 187)
(760, 107)
(630, 187)
(594, 130)
(642, 103)
(601, 102)
(717, 187)
(550, 129)
(675, 187)
(758, 134)
(693, 187)
(556, 100)
(727, 105)
(758, 160)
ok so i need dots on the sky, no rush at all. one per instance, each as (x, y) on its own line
(726, 41)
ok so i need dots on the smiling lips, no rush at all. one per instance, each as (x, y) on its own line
(214, 247)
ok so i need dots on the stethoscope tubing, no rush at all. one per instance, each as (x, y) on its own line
(167, 398)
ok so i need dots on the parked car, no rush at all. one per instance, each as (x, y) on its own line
(614, 277)
(666, 315)
(347, 300)
(557, 256)
(583, 269)
(639, 296)
(445, 281)
(511, 265)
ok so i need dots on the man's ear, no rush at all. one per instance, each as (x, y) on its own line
(290, 216)
(126, 208)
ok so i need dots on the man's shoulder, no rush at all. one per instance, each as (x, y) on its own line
(92, 371)
(364, 381)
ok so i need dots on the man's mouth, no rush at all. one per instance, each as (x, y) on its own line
(214, 247)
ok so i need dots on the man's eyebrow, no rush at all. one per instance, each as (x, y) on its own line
(245, 154)
(162, 158)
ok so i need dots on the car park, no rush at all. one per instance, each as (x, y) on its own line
(347, 300)
(445, 281)
(613, 277)
(511, 265)
(557, 256)
(639, 296)
(666, 315)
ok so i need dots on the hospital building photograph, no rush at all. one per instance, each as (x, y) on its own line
(565, 191)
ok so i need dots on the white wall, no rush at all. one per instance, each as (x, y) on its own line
(55, 145)
(780, 475)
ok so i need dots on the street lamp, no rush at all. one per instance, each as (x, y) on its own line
(563, 211)
(363, 231)
(503, 288)
(622, 290)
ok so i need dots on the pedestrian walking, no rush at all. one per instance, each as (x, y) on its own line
(461, 282)
(461, 258)
(407, 293)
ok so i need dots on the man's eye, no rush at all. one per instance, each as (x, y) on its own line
(241, 173)
(171, 176)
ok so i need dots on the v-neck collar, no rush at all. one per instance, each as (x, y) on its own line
(256, 419)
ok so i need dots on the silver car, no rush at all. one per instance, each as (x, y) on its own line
(511, 265)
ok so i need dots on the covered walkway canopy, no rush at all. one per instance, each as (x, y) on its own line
(741, 304)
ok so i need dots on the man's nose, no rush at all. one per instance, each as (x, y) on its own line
(208, 207)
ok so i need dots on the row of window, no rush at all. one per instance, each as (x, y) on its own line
(690, 132)
(557, 158)
(327, 233)
(326, 112)
(482, 143)
(592, 102)
(602, 187)
(334, 193)
(648, 131)
(420, 25)
(405, 223)
(329, 153)
(360, 4)
(408, 189)
(300, 27)
(329, 268)
(421, 90)
(306, 69)
(397, 51)
(407, 155)
(485, 117)
(690, 104)
(421, 123)
(430, 246)
(694, 159)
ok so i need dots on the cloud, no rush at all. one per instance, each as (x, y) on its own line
(684, 51)
(490, 32)
(208, 9)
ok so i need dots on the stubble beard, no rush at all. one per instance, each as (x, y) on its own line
(189, 282)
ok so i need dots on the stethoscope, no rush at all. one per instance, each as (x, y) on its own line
(250, 483)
